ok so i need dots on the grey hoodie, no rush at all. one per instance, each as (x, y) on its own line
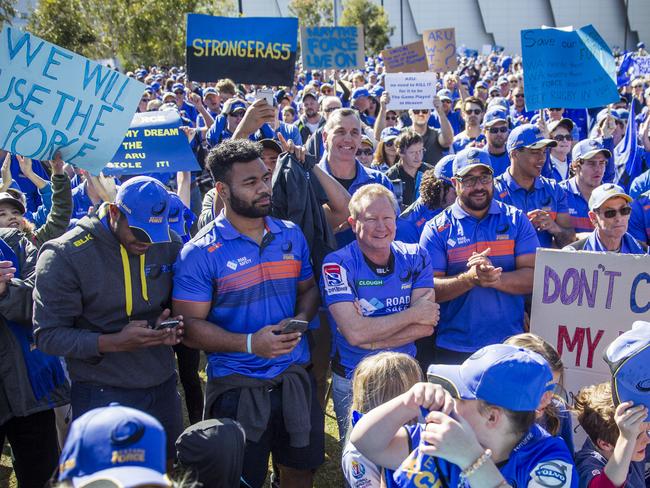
(80, 293)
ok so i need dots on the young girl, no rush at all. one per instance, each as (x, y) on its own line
(376, 380)
(552, 413)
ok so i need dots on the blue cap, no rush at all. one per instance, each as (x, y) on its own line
(500, 374)
(444, 94)
(494, 115)
(377, 91)
(481, 84)
(155, 86)
(528, 136)
(178, 86)
(470, 158)
(604, 192)
(390, 134)
(180, 217)
(168, 95)
(145, 203)
(628, 357)
(210, 91)
(603, 113)
(236, 105)
(115, 443)
(498, 102)
(360, 92)
(444, 168)
(588, 148)
(502, 80)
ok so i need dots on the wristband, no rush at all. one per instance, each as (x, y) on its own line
(480, 461)
(249, 340)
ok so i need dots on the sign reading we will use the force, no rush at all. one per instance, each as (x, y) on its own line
(582, 301)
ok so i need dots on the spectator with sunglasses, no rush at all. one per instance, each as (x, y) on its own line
(453, 116)
(557, 163)
(473, 109)
(315, 143)
(436, 141)
(496, 129)
(609, 212)
(366, 151)
(386, 155)
(518, 112)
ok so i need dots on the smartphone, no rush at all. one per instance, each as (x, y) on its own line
(266, 95)
(168, 324)
(295, 326)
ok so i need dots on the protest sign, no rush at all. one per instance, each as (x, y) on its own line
(641, 65)
(410, 90)
(332, 47)
(440, 48)
(582, 301)
(567, 68)
(153, 144)
(52, 99)
(409, 58)
(259, 50)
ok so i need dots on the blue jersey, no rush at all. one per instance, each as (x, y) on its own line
(545, 195)
(629, 245)
(462, 140)
(639, 224)
(640, 184)
(81, 202)
(419, 214)
(500, 163)
(347, 277)
(248, 286)
(591, 463)
(538, 461)
(481, 316)
(578, 206)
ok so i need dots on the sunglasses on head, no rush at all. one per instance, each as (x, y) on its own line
(365, 152)
(475, 111)
(560, 138)
(496, 130)
(610, 213)
(423, 111)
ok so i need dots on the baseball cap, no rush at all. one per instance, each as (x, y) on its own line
(360, 92)
(564, 122)
(178, 213)
(603, 113)
(6, 197)
(588, 148)
(167, 95)
(377, 91)
(234, 106)
(528, 136)
(444, 168)
(390, 134)
(155, 86)
(502, 80)
(494, 115)
(604, 192)
(628, 357)
(481, 84)
(115, 443)
(470, 158)
(145, 203)
(500, 374)
(444, 94)
(178, 86)
(310, 93)
(210, 91)
(271, 144)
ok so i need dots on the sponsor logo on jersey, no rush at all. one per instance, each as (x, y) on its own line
(215, 246)
(368, 307)
(441, 228)
(462, 240)
(451, 242)
(551, 474)
(370, 283)
(288, 257)
(232, 265)
(502, 237)
(358, 470)
(335, 278)
(243, 261)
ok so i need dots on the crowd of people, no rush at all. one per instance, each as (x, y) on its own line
(330, 248)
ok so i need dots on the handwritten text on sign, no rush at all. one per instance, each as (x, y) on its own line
(440, 48)
(410, 90)
(52, 99)
(409, 58)
(332, 47)
(582, 301)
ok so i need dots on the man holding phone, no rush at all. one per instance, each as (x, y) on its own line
(245, 287)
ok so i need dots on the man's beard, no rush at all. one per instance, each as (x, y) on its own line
(250, 210)
(467, 201)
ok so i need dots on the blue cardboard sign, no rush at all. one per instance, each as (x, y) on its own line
(332, 47)
(258, 50)
(153, 144)
(567, 68)
(52, 99)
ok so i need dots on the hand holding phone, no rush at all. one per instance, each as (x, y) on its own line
(295, 325)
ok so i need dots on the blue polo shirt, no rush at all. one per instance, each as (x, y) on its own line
(628, 245)
(545, 195)
(419, 214)
(347, 277)
(248, 286)
(462, 140)
(578, 206)
(481, 316)
(639, 224)
(500, 162)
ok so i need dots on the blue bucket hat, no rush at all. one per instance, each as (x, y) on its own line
(628, 357)
(145, 203)
(528, 136)
(115, 443)
(500, 374)
(470, 158)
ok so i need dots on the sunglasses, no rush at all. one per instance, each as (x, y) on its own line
(519, 96)
(390, 143)
(423, 111)
(475, 111)
(555, 109)
(390, 117)
(365, 152)
(496, 130)
(560, 138)
(329, 109)
(610, 213)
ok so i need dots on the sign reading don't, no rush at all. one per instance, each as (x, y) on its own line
(52, 99)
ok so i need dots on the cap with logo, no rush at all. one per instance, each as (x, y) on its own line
(628, 357)
(145, 203)
(168, 95)
(367, 141)
(360, 92)
(563, 122)
(210, 91)
(115, 443)
(444, 94)
(604, 192)
(235, 105)
(444, 169)
(588, 148)
(502, 80)
(178, 87)
(500, 374)
(494, 115)
(470, 158)
(8, 198)
(528, 136)
(180, 217)
(390, 134)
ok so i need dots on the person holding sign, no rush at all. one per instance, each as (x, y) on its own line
(609, 212)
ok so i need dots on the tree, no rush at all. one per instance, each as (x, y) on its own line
(312, 12)
(62, 22)
(373, 18)
(7, 11)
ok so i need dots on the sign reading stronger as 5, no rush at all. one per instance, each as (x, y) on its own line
(259, 50)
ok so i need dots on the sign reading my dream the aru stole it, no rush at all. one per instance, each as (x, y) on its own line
(258, 50)
(153, 144)
(52, 99)
(582, 301)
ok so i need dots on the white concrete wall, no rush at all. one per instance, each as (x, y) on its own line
(638, 14)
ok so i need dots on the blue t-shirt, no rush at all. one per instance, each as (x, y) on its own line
(545, 195)
(249, 287)
(538, 461)
(500, 163)
(639, 224)
(419, 214)
(462, 140)
(481, 316)
(590, 463)
(578, 206)
(347, 277)
(81, 202)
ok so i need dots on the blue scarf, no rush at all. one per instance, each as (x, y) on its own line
(44, 371)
